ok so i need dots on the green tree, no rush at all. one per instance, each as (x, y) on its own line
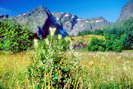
(96, 45)
(14, 36)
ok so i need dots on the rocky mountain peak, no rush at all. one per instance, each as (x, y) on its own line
(127, 11)
(36, 11)
(40, 19)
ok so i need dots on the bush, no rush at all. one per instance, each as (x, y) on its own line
(111, 44)
(50, 67)
(96, 45)
(14, 37)
(114, 45)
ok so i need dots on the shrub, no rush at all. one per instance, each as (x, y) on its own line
(114, 45)
(51, 67)
(14, 37)
(111, 44)
(96, 45)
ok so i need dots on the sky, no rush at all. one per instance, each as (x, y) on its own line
(109, 9)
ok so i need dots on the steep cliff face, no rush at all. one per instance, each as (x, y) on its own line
(127, 11)
(34, 18)
(39, 20)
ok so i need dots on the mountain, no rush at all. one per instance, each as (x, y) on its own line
(127, 11)
(88, 24)
(4, 16)
(40, 19)
(74, 25)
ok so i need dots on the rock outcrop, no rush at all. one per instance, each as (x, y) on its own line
(127, 11)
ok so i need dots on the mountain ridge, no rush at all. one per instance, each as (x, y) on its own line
(40, 19)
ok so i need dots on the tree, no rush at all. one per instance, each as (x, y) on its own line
(15, 37)
(96, 45)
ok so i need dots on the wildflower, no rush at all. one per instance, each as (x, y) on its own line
(35, 43)
(47, 41)
(52, 31)
(59, 36)
(91, 63)
(67, 39)
(125, 68)
(128, 62)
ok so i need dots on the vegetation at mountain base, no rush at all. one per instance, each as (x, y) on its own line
(86, 39)
(14, 37)
(102, 45)
(118, 36)
(96, 45)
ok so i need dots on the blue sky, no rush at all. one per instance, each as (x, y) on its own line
(109, 9)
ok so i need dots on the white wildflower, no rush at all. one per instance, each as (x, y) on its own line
(67, 38)
(35, 43)
(59, 36)
(52, 31)
(91, 63)
(47, 41)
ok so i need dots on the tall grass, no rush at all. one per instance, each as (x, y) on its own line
(53, 65)
(99, 71)
(108, 70)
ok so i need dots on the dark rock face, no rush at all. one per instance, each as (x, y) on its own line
(127, 11)
(3, 16)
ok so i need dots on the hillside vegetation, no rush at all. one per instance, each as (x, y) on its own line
(118, 37)
(14, 37)
(86, 39)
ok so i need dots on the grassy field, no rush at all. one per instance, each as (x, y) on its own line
(99, 69)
